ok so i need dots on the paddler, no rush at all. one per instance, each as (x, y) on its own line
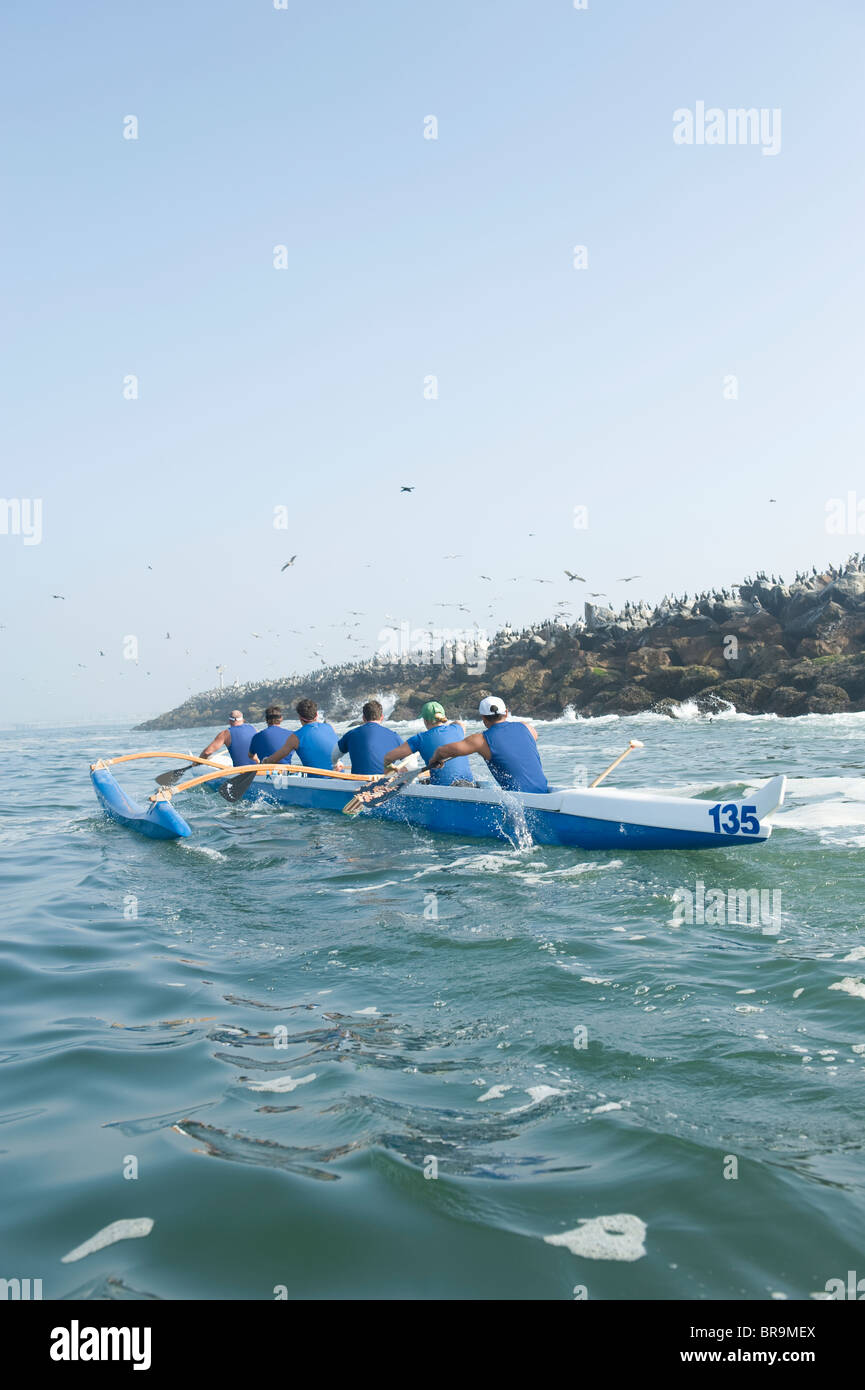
(267, 740)
(367, 743)
(507, 746)
(314, 742)
(439, 730)
(236, 738)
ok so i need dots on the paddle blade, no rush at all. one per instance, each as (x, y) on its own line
(168, 779)
(382, 789)
(234, 788)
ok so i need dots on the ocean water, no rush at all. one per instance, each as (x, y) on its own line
(330, 1058)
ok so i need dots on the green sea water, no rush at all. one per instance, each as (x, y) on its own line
(343, 1059)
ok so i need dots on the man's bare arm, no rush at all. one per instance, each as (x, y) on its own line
(218, 742)
(393, 755)
(475, 743)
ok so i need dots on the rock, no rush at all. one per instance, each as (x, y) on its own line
(746, 696)
(760, 627)
(704, 649)
(809, 621)
(786, 700)
(404, 711)
(828, 699)
(708, 703)
(753, 660)
(631, 699)
(679, 682)
(646, 659)
(668, 707)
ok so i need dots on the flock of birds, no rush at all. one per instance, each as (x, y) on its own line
(641, 613)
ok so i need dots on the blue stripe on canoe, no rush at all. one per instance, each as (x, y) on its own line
(480, 820)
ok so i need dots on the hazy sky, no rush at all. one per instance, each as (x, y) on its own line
(409, 258)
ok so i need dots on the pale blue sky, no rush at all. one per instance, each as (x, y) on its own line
(407, 257)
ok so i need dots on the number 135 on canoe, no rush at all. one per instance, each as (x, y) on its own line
(740, 820)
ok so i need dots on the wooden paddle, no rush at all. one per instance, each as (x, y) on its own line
(382, 789)
(634, 743)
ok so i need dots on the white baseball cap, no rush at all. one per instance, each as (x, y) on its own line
(491, 706)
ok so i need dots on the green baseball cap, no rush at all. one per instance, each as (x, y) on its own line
(432, 711)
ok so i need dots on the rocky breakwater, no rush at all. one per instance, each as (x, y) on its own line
(763, 647)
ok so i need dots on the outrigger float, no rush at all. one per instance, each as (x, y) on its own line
(592, 818)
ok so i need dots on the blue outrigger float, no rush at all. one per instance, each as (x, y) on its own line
(592, 818)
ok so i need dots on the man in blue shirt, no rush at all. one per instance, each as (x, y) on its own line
(313, 742)
(267, 740)
(367, 743)
(438, 731)
(236, 738)
(507, 746)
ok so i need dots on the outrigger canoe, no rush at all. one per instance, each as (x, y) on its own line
(591, 818)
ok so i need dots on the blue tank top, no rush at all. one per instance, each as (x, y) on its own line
(431, 739)
(366, 746)
(515, 762)
(268, 741)
(315, 744)
(241, 736)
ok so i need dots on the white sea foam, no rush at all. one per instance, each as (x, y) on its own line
(494, 1093)
(282, 1084)
(851, 985)
(132, 1229)
(538, 1094)
(620, 1237)
(205, 850)
(539, 873)
(371, 887)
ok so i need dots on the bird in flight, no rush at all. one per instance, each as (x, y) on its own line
(452, 557)
(406, 489)
(543, 581)
(63, 596)
(626, 578)
(598, 593)
(773, 499)
(487, 576)
(288, 564)
(572, 577)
